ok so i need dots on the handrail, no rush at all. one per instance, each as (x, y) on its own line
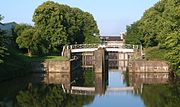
(82, 46)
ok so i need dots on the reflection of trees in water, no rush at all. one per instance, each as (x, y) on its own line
(50, 96)
(161, 95)
(89, 78)
(157, 90)
(78, 100)
(84, 78)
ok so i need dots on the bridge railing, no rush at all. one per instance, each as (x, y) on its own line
(124, 46)
(82, 46)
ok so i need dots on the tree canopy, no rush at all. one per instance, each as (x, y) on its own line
(159, 26)
(56, 25)
(2, 43)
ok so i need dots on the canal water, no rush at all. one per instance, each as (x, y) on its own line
(121, 89)
(116, 99)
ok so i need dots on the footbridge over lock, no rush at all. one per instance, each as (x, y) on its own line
(117, 54)
(124, 48)
(98, 56)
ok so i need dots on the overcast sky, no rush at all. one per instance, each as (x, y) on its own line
(112, 16)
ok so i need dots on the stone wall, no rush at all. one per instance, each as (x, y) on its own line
(100, 60)
(148, 66)
(136, 79)
(50, 66)
(57, 72)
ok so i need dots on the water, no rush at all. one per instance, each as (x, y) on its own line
(116, 99)
(150, 90)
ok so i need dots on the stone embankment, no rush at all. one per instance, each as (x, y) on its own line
(148, 66)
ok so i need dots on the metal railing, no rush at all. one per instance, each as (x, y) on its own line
(82, 46)
(124, 46)
(86, 46)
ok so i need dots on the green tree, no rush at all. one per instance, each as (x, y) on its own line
(49, 19)
(90, 29)
(133, 34)
(27, 39)
(159, 26)
(60, 24)
(19, 28)
(3, 49)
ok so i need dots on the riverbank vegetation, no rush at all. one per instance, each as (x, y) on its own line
(3, 49)
(11, 62)
(14, 64)
(159, 32)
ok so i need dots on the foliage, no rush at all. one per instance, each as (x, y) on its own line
(133, 34)
(57, 25)
(14, 65)
(3, 49)
(78, 100)
(19, 28)
(2, 46)
(154, 53)
(159, 26)
(27, 39)
(89, 78)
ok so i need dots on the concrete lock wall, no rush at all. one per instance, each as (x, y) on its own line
(101, 70)
(148, 78)
(57, 72)
(99, 60)
(148, 66)
(100, 85)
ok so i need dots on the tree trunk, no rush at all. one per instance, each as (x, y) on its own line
(29, 53)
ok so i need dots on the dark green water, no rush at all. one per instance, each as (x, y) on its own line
(149, 90)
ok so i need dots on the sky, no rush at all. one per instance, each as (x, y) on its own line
(112, 16)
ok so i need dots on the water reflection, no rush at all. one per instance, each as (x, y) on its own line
(156, 89)
(50, 96)
(161, 95)
(154, 94)
(84, 87)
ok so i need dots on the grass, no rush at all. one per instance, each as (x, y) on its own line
(47, 58)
